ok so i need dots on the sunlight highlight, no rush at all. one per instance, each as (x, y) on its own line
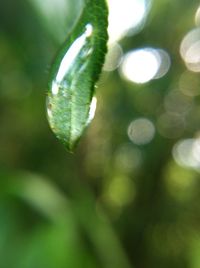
(125, 16)
(142, 65)
(72, 53)
(190, 50)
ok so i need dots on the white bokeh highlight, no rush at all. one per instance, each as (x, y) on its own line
(125, 16)
(141, 131)
(144, 64)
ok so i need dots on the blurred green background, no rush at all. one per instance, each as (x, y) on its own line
(130, 194)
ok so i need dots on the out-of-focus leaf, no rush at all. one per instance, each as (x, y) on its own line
(64, 228)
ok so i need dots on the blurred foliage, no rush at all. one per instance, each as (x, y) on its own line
(118, 201)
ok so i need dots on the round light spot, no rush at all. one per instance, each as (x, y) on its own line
(186, 153)
(141, 131)
(190, 50)
(189, 84)
(165, 63)
(145, 64)
(171, 125)
(140, 66)
(128, 158)
(125, 16)
(178, 103)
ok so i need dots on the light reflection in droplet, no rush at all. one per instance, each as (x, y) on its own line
(187, 153)
(190, 50)
(113, 57)
(72, 53)
(143, 65)
(49, 110)
(125, 16)
(55, 88)
(141, 131)
(92, 110)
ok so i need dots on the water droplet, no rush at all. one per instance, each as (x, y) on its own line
(70, 103)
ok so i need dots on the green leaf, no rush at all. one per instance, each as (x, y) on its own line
(70, 104)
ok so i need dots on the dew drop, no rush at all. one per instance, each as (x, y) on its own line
(70, 102)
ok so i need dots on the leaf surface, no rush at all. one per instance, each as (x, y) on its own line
(70, 101)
